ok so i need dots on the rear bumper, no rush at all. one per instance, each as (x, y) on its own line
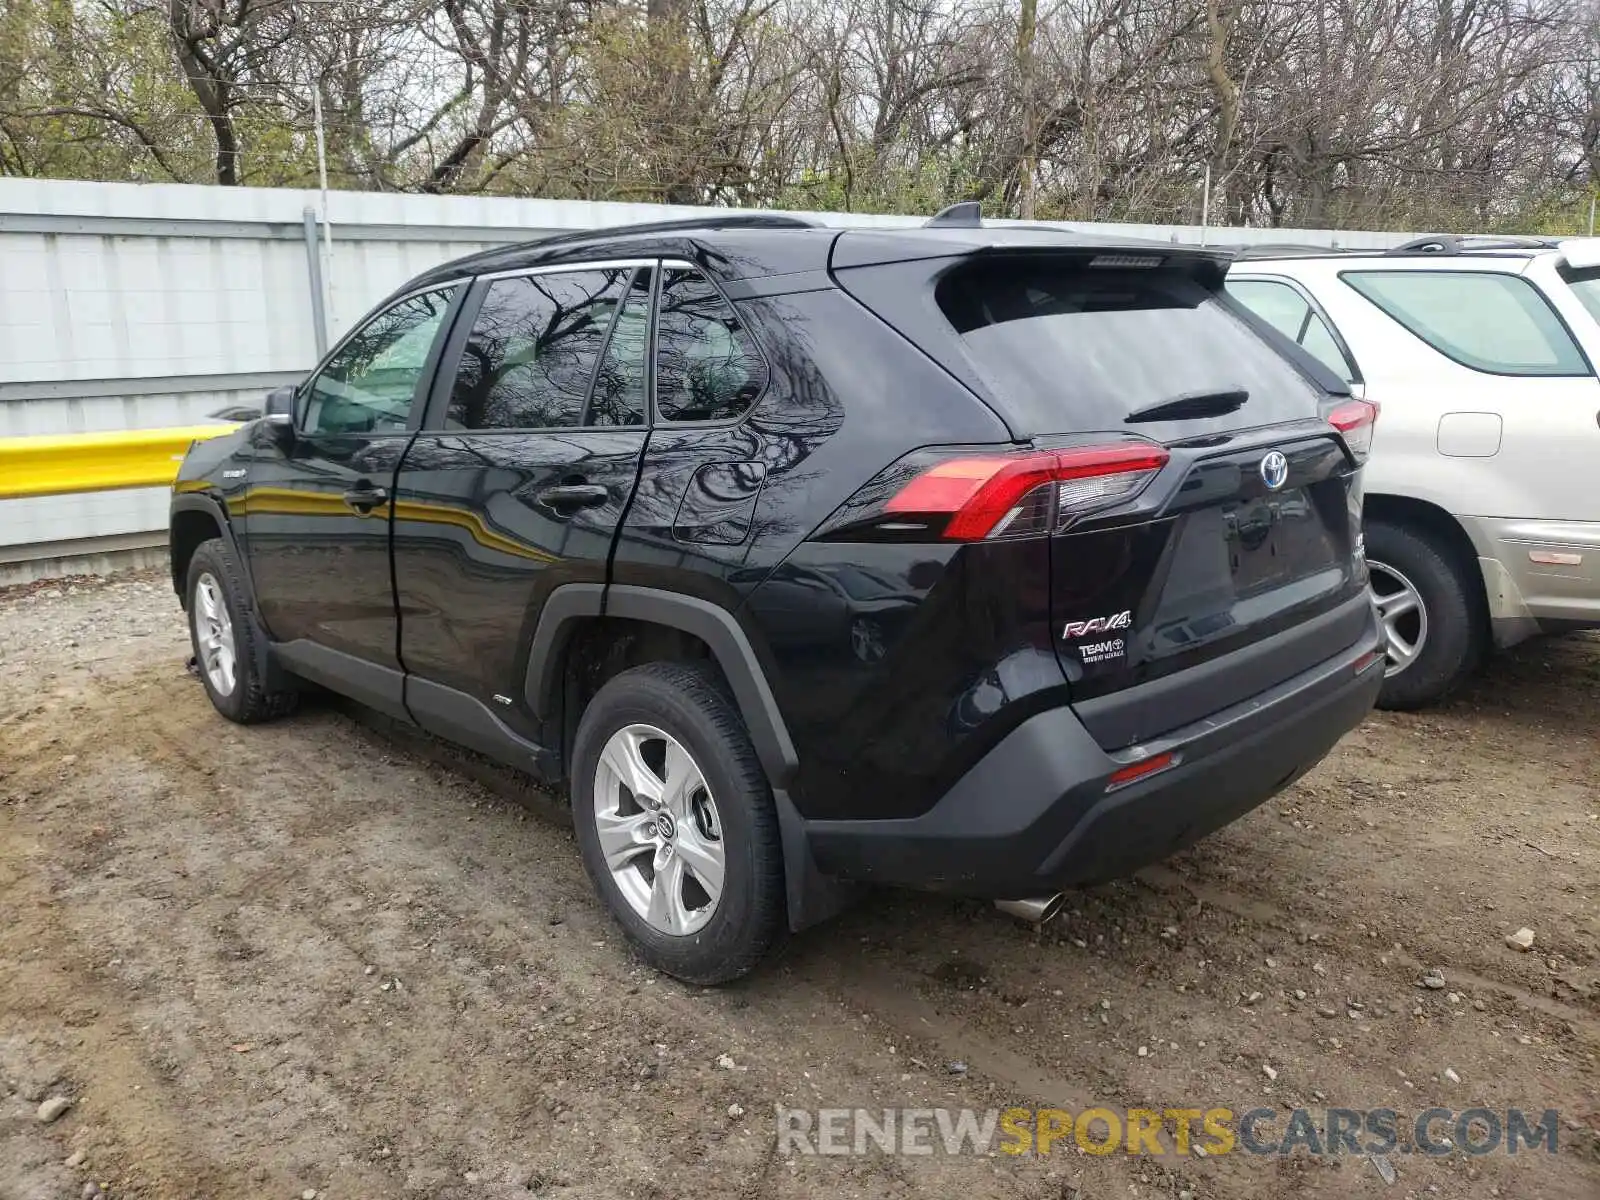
(1034, 815)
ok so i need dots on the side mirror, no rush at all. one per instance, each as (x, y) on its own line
(278, 408)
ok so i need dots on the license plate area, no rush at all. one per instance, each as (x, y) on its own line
(1242, 562)
(1276, 540)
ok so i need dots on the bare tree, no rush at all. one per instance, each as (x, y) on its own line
(221, 46)
(1405, 113)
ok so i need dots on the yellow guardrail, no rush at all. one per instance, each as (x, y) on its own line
(95, 462)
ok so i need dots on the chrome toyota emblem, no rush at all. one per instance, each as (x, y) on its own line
(1274, 470)
(666, 827)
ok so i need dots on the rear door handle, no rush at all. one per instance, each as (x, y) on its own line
(364, 499)
(574, 495)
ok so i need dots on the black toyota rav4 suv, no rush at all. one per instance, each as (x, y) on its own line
(981, 560)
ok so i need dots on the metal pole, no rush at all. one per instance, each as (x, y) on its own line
(1592, 198)
(1205, 206)
(319, 315)
(322, 179)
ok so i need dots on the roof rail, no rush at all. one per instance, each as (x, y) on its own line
(966, 215)
(1281, 250)
(1454, 243)
(733, 219)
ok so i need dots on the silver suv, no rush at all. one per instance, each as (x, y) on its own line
(1482, 522)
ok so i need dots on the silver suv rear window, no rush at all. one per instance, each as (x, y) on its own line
(1491, 322)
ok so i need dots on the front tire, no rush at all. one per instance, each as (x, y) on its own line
(676, 824)
(224, 638)
(1432, 627)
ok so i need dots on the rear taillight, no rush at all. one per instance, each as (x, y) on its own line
(971, 498)
(1356, 419)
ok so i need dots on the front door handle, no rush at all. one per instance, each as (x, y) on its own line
(363, 500)
(574, 495)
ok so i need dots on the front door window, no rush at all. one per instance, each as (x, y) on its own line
(368, 383)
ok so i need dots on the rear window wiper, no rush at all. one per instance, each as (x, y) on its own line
(1192, 406)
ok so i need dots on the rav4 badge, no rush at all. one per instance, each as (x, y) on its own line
(1078, 629)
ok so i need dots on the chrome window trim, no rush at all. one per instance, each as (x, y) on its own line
(571, 265)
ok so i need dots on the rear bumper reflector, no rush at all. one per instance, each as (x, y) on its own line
(1134, 772)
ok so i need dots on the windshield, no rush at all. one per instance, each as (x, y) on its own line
(1082, 348)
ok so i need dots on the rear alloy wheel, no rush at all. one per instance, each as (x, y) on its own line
(1405, 620)
(676, 822)
(1431, 615)
(658, 828)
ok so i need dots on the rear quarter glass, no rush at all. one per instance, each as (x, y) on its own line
(1066, 347)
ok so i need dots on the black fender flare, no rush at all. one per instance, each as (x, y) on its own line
(206, 503)
(811, 896)
(715, 626)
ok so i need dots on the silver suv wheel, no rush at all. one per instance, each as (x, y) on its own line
(659, 830)
(214, 635)
(1404, 617)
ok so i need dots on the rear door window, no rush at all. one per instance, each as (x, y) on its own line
(707, 365)
(1278, 304)
(621, 393)
(1077, 348)
(1491, 322)
(531, 356)
(1319, 341)
(1291, 314)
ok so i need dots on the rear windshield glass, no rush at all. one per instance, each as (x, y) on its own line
(1076, 348)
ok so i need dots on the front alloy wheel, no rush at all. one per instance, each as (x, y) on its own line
(659, 830)
(213, 628)
(1403, 615)
(228, 654)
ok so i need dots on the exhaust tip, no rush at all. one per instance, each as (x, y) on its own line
(1035, 911)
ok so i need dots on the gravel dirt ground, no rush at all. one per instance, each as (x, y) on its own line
(314, 957)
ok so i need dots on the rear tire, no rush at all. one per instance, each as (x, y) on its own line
(225, 638)
(687, 858)
(1432, 623)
